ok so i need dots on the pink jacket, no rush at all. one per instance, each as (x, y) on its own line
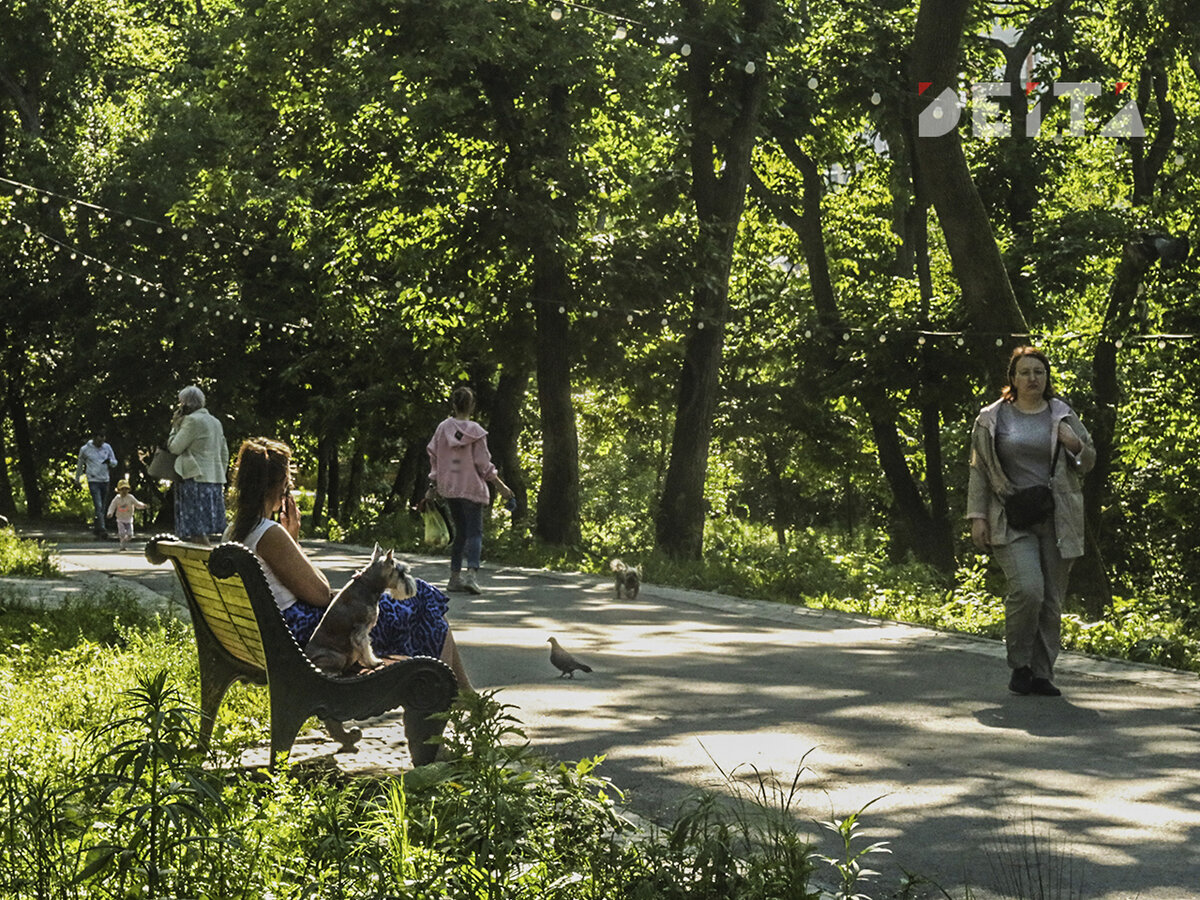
(459, 461)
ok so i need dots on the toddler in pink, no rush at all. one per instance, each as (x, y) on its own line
(123, 506)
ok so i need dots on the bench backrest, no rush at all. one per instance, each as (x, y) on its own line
(224, 602)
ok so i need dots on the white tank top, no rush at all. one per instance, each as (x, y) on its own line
(283, 597)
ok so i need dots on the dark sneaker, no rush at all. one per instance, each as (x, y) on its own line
(1044, 688)
(1022, 681)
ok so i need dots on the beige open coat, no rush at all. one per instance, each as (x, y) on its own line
(199, 443)
(988, 483)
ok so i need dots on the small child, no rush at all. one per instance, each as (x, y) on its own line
(122, 506)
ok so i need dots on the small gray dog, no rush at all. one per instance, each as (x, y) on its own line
(342, 637)
(628, 579)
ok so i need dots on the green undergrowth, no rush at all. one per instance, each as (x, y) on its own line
(107, 796)
(26, 558)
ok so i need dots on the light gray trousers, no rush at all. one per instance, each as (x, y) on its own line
(1037, 585)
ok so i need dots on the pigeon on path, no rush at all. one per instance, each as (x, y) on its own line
(564, 661)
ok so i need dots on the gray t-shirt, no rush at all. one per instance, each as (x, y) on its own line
(1023, 445)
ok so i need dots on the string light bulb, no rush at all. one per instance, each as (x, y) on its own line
(556, 14)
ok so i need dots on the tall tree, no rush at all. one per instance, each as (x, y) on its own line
(724, 84)
(978, 266)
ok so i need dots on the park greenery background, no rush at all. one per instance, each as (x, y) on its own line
(728, 314)
(726, 311)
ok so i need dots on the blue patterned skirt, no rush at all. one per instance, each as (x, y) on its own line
(199, 508)
(413, 626)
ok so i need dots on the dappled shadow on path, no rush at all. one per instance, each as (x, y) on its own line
(682, 691)
(677, 691)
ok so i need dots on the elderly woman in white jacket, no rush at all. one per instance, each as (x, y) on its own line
(202, 456)
(1026, 438)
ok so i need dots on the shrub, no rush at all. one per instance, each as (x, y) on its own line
(24, 557)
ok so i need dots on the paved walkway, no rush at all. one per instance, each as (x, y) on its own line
(965, 777)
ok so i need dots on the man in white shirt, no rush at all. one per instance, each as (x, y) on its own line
(96, 459)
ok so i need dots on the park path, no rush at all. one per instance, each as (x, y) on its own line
(966, 778)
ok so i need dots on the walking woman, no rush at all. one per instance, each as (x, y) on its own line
(460, 468)
(1027, 438)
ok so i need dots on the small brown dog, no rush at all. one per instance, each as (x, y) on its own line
(628, 579)
(342, 637)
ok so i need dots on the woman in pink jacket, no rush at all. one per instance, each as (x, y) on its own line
(460, 468)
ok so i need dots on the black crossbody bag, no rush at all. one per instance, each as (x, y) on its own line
(1032, 505)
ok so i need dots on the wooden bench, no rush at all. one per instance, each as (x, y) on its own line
(241, 635)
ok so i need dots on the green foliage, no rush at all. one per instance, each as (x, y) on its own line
(849, 865)
(34, 628)
(130, 811)
(69, 664)
(25, 557)
(154, 803)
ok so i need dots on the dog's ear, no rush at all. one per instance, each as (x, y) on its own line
(375, 553)
(389, 557)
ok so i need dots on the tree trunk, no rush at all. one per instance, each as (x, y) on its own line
(1147, 164)
(334, 479)
(771, 453)
(1089, 576)
(719, 200)
(353, 495)
(408, 487)
(976, 259)
(558, 497)
(927, 534)
(8, 503)
(325, 503)
(548, 145)
(27, 460)
(505, 431)
(679, 525)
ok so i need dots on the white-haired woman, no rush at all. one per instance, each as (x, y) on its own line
(198, 441)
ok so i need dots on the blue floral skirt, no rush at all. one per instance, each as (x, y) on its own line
(199, 508)
(412, 626)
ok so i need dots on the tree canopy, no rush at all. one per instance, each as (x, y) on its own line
(702, 261)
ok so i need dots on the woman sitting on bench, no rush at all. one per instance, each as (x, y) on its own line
(412, 626)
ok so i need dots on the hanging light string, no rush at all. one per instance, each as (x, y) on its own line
(643, 318)
(147, 285)
(664, 37)
(104, 213)
(632, 315)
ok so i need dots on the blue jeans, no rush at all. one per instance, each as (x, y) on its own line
(468, 533)
(99, 492)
